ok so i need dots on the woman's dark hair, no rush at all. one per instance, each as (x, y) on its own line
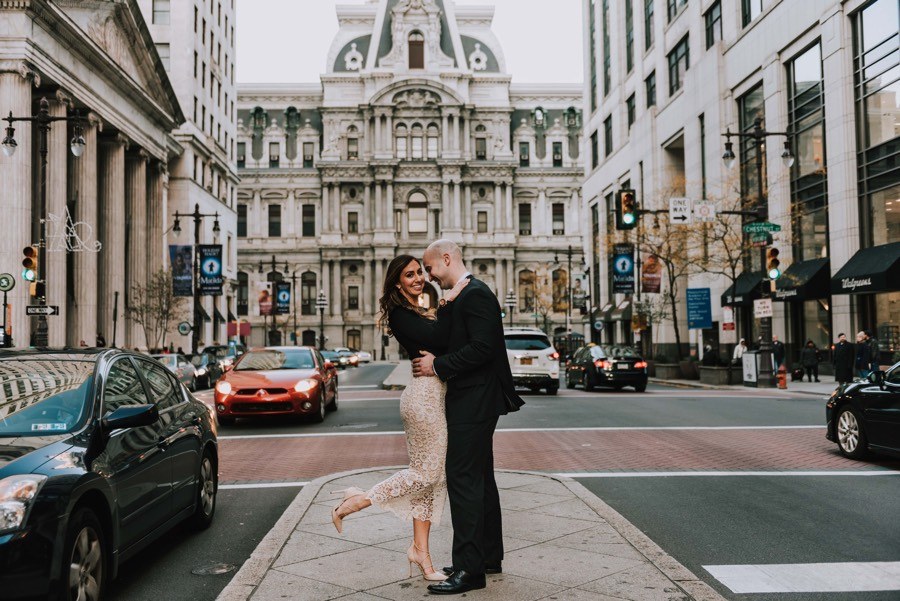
(391, 296)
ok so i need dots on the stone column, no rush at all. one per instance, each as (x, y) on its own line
(467, 136)
(325, 284)
(370, 291)
(366, 218)
(509, 207)
(336, 289)
(112, 235)
(388, 133)
(540, 219)
(379, 208)
(498, 207)
(326, 208)
(57, 197)
(445, 132)
(16, 175)
(389, 207)
(378, 141)
(82, 319)
(445, 207)
(467, 209)
(136, 250)
(156, 217)
(336, 209)
(457, 206)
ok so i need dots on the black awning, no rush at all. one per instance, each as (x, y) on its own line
(806, 280)
(744, 291)
(217, 315)
(623, 311)
(873, 269)
(202, 313)
(231, 316)
(605, 312)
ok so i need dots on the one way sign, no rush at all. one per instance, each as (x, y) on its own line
(42, 310)
(681, 211)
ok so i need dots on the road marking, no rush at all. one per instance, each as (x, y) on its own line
(809, 577)
(262, 485)
(597, 429)
(862, 472)
(358, 386)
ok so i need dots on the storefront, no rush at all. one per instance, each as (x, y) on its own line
(740, 296)
(622, 315)
(872, 276)
(805, 287)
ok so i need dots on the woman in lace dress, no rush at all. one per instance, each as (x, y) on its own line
(418, 492)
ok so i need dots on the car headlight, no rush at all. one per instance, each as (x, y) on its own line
(223, 387)
(16, 496)
(201, 371)
(304, 385)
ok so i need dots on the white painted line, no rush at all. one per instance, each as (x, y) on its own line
(262, 485)
(348, 386)
(809, 577)
(866, 472)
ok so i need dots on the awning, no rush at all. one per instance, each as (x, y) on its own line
(231, 316)
(202, 313)
(604, 314)
(218, 315)
(806, 280)
(744, 291)
(623, 311)
(873, 269)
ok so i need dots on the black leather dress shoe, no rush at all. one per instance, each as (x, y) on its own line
(489, 568)
(459, 582)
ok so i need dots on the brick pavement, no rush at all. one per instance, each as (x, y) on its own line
(284, 458)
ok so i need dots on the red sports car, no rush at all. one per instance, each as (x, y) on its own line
(285, 380)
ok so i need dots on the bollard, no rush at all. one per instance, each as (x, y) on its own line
(782, 377)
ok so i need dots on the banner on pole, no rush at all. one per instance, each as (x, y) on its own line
(265, 306)
(282, 298)
(210, 275)
(623, 268)
(181, 258)
(651, 275)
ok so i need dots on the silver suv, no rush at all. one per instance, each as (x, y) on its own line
(533, 360)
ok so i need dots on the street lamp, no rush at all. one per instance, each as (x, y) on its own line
(269, 337)
(197, 216)
(510, 305)
(42, 120)
(293, 296)
(758, 135)
(321, 303)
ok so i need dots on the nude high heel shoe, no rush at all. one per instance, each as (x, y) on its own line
(348, 493)
(434, 576)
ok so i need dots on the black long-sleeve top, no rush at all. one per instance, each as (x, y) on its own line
(417, 333)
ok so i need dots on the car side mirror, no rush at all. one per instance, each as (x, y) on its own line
(877, 378)
(130, 416)
(329, 365)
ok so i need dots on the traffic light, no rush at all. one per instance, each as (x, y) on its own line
(626, 210)
(772, 264)
(30, 263)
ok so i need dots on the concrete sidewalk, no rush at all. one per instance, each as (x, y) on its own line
(561, 541)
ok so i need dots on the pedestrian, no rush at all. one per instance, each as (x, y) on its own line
(843, 360)
(809, 359)
(101, 341)
(739, 350)
(874, 352)
(180, 351)
(709, 357)
(777, 352)
(863, 362)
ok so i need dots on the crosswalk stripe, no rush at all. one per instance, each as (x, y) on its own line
(252, 485)
(809, 577)
(830, 473)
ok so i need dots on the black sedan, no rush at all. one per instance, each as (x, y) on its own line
(207, 369)
(864, 415)
(612, 366)
(101, 451)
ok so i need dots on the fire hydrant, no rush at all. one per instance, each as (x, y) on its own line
(782, 377)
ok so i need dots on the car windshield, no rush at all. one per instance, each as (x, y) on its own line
(527, 342)
(200, 360)
(271, 359)
(167, 360)
(329, 355)
(619, 352)
(42, 397)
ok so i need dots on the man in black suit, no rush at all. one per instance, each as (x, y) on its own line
(479, 390)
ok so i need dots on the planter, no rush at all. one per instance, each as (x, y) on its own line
(668, 371)
(719, 376)
(689, 370)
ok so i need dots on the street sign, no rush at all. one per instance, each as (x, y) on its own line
(762, 307)
(699, 309)
(598, 325)
(761, 226)
(705, 211)
(42, 310)
(7, 282)
(184, 328)
(681, 211)
(760, 239)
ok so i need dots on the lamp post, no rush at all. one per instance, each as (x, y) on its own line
(43, 120)
(758, 135)
(198, 217)
(510, 305)
(293, 296)
(321, 303)
(270, 331)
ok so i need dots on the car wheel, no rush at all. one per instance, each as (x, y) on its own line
(225, 421)
(334, 402)
(319, 416)
(570, 381)
(552, 390)
(617, 388)
(851, 438)
(589, 383)
(640, 387)
(84, 558)
(207, 487)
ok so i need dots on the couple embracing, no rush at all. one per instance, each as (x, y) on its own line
(462, 383)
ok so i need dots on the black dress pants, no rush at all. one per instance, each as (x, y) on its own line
(474, 500)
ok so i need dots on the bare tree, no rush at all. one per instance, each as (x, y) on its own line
(155, 307)
(652, 311)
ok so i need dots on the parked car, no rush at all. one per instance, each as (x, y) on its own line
(227, 354)
(364, 356)
(181, 367)
(277, 381)
(606, 365)
(348, 357)
(96, 463)
(864, 415)
(207, 369)
(533, 360)
(335, 358)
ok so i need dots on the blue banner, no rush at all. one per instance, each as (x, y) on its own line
(181, 258)
(699, 309)
(211, 278)
(282, 298)
(623, 268)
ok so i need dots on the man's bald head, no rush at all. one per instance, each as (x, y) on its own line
(443, 262)
(445, 247)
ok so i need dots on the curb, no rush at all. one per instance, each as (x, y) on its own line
(252, 572)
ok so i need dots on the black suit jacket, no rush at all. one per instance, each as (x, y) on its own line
(476, 368)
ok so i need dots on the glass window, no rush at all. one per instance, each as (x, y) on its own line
(607, 136)
(629, 36)
(352, 222)
(482, 219)
(417, 142)
(481, 149)
(525, 219)
(162, 12)
(42, 397)
(750, 9)
(526, 291)
(274, 154)
(673, 6)
(416, 50)
(123, 387)
(526, 342)
(629, 104)
(352, 149)
(432, 147)
(308, 293)
(402, 152)
(607, 58)
(308, 150)
(418, 213)
(648, 23)
(595, 151)
(560, 290)
(241, 154)
(164, 54)
(309, 221)
(884, 215)
(162, 388)
(878, 72)
(274, 220)
(650, 87)
(243, 293)
(242, 220)
(559, 219)
(557, 154)
(353, 297)
(713, 18)
(592, 19)
(524, 154)
(679, 60)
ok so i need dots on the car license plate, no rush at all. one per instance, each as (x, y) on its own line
(622, 366)
(525, 361)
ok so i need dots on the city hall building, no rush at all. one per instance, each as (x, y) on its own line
(664, 80)
(415, 132)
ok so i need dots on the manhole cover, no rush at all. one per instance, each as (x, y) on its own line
(213, 570)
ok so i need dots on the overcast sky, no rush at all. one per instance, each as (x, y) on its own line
(286, 41)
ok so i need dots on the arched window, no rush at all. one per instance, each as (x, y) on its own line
(416, 50)
(352, 143)
(243, 293)
(526, 291)
(417, 213)
(560, 290)
(481, 143)
(417, 142)
(308, 293)
(539, 117)
(401, 135)
(432, 146)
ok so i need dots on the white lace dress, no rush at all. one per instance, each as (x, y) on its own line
(420, 490)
